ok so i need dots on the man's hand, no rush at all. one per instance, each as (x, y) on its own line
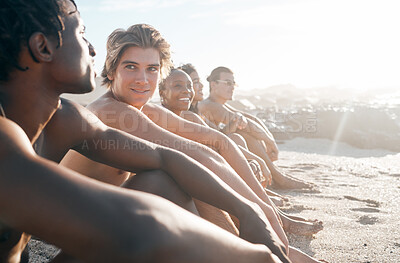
(261, 172)
(242, 124)
(255, 228)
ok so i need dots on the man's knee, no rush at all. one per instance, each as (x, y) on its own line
(238, 139)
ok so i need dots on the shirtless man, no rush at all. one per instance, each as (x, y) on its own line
(258, 138)
(43, 54)
(135, 60)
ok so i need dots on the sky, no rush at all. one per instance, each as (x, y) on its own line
(349, 44)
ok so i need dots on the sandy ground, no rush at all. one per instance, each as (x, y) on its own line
(358, 199)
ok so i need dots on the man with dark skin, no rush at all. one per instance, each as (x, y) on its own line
(45, 54)
(136, 59)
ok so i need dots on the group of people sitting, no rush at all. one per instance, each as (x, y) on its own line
(126, 180)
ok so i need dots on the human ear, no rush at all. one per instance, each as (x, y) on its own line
(40, 47)
(212, 85)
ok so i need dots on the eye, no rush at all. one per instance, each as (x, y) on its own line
(130, 66)
(153, 69)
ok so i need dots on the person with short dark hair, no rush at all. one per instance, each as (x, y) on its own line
(176, 93)
(87, 219)
(258, 138)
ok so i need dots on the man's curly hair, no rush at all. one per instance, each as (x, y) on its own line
(19, 19)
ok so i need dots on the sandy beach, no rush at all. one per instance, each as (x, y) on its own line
(358, 199)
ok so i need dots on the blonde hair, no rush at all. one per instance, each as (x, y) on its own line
(139, 35)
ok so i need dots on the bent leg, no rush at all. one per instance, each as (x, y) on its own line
(280, 180)
(216, 216)
(295, 255)
(159, 183)
(238, 139)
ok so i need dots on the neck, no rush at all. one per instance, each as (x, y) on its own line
(217, 99)
(29, 105)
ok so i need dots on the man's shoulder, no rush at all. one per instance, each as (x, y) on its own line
(12, 138)
(68, 113)
(152, 108)
(107, 104)
(70, 116)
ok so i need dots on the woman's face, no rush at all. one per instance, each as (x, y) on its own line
(197, 86)
(178, 92)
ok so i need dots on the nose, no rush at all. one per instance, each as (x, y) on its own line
(92, 51)
(141, 77)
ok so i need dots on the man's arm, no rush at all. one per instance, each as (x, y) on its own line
(96, 222)
(135, 154)
(127, 118)
(205, 135)
(272, 148)
(222, 113)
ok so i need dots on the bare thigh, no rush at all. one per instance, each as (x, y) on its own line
(160, 183)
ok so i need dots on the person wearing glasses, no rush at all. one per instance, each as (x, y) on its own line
(44, 54)
(291, 224)
(137, 59)
(176, 93)
(258, 138)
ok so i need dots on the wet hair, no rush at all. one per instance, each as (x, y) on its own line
(140, 35)
(19, 19)
(188, 68)
(216, 74)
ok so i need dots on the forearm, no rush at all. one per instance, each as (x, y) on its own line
(258, 121)
(255, 130)
(202, 184)
(64, 208)
(121, 150)
(236, 159)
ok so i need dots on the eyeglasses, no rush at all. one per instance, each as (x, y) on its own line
(227, 82)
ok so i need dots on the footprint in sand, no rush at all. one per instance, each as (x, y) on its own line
(369, 202)
(367, 220)
(295, 208)
(296, 171)
(366, 210)
(348, 185)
